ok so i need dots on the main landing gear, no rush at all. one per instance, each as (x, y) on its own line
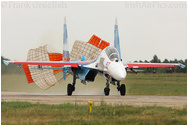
(121, 88)
(107, 89)
(71, 87)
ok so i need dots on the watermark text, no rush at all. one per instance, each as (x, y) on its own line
(35, 4)
(155, 4)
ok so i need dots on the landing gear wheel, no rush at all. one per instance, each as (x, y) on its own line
(106, 91)
(122, 90)
(70, 89)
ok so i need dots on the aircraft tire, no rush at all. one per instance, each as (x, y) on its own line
(69, 89)
(122, 89)
(106, 91)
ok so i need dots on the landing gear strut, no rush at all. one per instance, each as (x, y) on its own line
(107, 89)
(71, 87)
(121, 88)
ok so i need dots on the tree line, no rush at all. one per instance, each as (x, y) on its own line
(164, 69)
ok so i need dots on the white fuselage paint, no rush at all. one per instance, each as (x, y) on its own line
(117, 70)
(113, 68)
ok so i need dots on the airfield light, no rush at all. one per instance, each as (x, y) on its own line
(90, 103)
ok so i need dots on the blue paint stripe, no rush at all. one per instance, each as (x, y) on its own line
(88, 62)
(65, 43)
(65, 53)
(116, 40)
(65, 35)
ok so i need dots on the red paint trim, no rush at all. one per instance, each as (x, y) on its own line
(150, 65)
(84, 62)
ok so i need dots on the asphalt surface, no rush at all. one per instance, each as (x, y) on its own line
(167, 101)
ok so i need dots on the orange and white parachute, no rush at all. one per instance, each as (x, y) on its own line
(46, 78)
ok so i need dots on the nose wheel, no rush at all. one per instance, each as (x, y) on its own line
(121, 88)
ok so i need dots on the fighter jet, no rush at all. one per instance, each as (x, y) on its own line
(106, 62)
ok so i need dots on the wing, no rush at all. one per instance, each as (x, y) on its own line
(146, 65)
(61, 64)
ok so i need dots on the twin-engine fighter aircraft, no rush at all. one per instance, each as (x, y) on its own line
(86, 60)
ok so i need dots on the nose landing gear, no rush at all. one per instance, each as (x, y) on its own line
(107, 89)
(121, 88)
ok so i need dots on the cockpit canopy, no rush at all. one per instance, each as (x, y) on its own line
(112, 53)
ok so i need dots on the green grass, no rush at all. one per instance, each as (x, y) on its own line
(171, 84)
(157, 84)
(27, 113)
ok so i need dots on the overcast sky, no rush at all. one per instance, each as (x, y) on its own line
(145, 28)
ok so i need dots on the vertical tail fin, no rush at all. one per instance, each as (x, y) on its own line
(65, 43)
(116, 39)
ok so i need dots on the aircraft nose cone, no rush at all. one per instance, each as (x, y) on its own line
(122, 76)
(117, 71)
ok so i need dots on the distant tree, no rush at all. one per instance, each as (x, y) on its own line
(175, 61)
(165, 61)
(166, 70)
(146, 70)
(3, 58)
(145, 61)
(155, 59)
(140, 61)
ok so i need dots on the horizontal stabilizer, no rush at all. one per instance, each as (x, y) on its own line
(6, 62)
(181, 65)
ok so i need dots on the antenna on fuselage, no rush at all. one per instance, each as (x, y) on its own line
(116, 38)
(65, 42)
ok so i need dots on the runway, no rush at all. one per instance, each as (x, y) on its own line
(167, 101)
